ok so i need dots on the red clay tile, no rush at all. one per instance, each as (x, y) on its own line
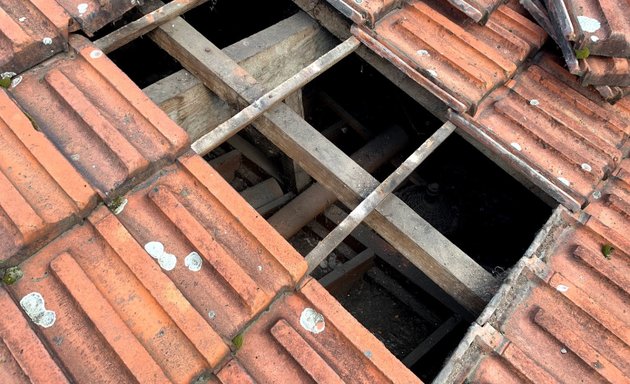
(449, 54)
(30, 32)
(118, 317)
(563, 317)
(93, 15)
(41, 194)
(369, 11)
(244, 262)
(99, 119)
(567, 138)
(23, 357)
(308, 336)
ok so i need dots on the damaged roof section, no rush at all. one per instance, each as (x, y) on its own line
(558, 134)
(98, 118)
(562, 314)
(455, 58)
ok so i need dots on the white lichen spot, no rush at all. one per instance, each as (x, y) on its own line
(16, 81)
(47, 41)
(368, 354)
(562, 288)
(34, 306)
(594, 39)
(586, 167)
(564, 181)
(95, 54)
(597, 195)
(154, 248)
(516, 146)
(166, 260)
(193, 261)
(75, 157)
(433, 73)
(260, 268)
(588, 24)
(212, 315)
(121, 207)
(563, 351)
(534, 102)
(82, 8)
(423, 52)
(312, 321)
(7, 75)
(22, 19)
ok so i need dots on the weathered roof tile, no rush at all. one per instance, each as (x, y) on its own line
(98, 118)
(41, 194)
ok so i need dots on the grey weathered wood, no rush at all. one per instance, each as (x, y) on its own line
(340, 280)
(440, 259)
(265, 102)
(263, 193)
(431, 341)
(158, 15)
(270, 56)
(377, 196)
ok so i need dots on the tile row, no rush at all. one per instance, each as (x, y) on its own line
(559, 135)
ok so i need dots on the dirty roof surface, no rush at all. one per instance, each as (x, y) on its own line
(180, 279)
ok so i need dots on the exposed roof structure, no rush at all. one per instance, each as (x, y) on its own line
(141, 264)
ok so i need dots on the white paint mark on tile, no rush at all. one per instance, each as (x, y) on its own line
(47, 41)
(534, 102)
(312, 321)
(588, 24)
(260, 268)
(563, 351)
(516, 146)
(16, 81)
(562, 288)
(423, 52)
(193, 261)
(75, 157)
(34, 306)
(166, 260)
(212, 315)
(587, 167)
(22, 19)
(564, 181)
(432, 73)
(95, 54)
(82, 8)
(597, 195)
(368, 354)
(594, 39)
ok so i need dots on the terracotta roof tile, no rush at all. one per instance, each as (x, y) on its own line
(30, 32)
(245, 262)
(24, 357)
(452, 56)
(563, 314)
(566, 136)
(599, 70)
(308, 336)
(369, 11)
(98, 118)
(41, 194)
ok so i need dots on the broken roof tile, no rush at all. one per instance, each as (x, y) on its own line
(598, 70)
(93, 15)
(449, 54)
(41, 194)
(30, 32)
(98, 118)
(560, 135)
(365, 11)
(192, 211)
(114, 316)
(308, 336)
(602, 26)
(24, 357)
